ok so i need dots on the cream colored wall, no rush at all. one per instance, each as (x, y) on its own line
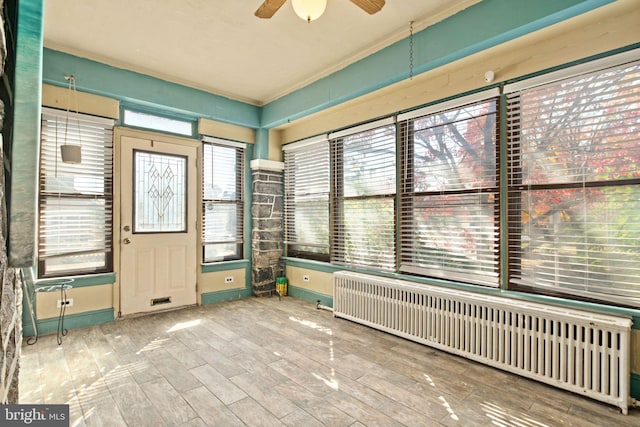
(215, 281)
(58, 97)
(318, 281)
(604, 29)
(275, 145)
(88, 298)
(226, 130)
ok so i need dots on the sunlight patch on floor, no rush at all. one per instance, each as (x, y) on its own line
(153, 345)
(330, 382)
(184, 325)
(501, 417)
(442, 399)
(449, 409)
(312, 325)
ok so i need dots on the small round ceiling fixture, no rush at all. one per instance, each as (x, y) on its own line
(309, 10)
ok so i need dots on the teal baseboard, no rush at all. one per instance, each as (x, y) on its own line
(308, 295)
(635, 386)
(71, 321)
(219, 296)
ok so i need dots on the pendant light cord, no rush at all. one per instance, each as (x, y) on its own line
(72, 89)
(72, 81)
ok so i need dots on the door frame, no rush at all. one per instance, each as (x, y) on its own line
(118, 133)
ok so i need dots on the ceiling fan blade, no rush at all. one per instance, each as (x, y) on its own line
(268, 8)
(369, 6)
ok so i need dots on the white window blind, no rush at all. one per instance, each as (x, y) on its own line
(449, 201)
(75, 200)
(222, 201)
(306, 199)
(364, 197)
(574, 185)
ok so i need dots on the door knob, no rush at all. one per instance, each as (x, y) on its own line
(126, 228)
(126, 240)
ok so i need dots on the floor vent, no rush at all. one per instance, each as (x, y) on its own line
(577, 350)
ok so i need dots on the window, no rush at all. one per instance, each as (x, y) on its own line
(574, 186)
(364, 178)
(570, 188)
(75, 200)
(450, 209)
(163, 124)
(159, 192)
(306, 199)
(222, 201)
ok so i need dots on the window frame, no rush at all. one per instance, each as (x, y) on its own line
(409, 261)
(517, 189)
(165, 124)
(508, 236)
(238, 201)
(45, 194)
(340, 252)
(295, 153)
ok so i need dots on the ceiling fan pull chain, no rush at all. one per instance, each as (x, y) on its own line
(411, 50)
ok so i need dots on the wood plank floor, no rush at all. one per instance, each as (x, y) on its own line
(265, 362)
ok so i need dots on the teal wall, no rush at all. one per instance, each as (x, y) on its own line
(492, 22)
(139, 90)
(23, 177)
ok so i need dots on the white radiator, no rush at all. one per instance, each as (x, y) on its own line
(577, 350)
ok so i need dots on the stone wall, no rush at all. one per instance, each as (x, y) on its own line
(10, 311)
(267, 234)
(10, 285)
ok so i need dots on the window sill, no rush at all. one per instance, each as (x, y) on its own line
(223, 265)
(80, 281)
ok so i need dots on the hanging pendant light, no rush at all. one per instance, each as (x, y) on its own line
(71, 153)
(309, 10)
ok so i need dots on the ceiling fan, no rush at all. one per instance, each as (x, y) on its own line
(312, 9)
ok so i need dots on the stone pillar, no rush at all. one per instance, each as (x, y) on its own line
(10, 304)
(10, 284)
(267, 234)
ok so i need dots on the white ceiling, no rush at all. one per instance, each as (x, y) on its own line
(219, 46)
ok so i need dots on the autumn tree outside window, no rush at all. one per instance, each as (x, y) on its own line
(574, 185)
(450, 194)
(422, 192)
(364, 196)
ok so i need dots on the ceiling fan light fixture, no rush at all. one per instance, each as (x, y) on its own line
(309, 10)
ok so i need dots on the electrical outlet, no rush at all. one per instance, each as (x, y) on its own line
(305, 278)
(67, 303)
(228, 279)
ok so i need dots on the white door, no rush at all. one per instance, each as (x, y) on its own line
(158, 225)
